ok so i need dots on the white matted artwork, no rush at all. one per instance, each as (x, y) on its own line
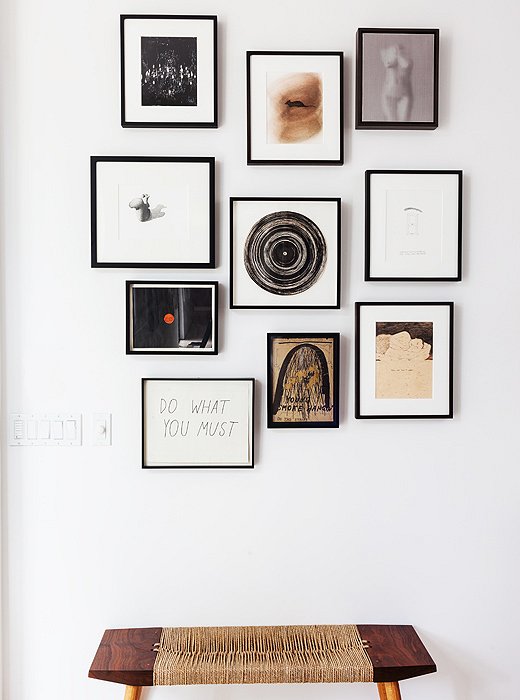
(152, 212)
(197, 423)
(404, 360)
(285, 253)
(294, 107)
(413, 225)
(168, 71)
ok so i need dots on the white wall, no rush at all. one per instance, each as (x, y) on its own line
(379, 521)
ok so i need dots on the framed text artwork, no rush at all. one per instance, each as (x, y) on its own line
(302, 380)
(397, 79)
(285, 253)
(152, 211)
(168, 71)
(413, 225)
(404, 360)
(197, 423)
(294, 108)
(166, 318)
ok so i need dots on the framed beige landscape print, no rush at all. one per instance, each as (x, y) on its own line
(404, 360)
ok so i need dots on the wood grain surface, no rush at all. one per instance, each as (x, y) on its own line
(126, 656)
(396, 652)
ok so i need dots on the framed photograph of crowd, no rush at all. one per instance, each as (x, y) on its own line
(413, 225)
(285, 253)
(171, 318)
(294, 108)
(404, 360)
(397, 79)
(169, 71)
(197, 423)
(302, 380)
(152, 211)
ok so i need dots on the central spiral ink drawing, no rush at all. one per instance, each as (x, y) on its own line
(285, 253)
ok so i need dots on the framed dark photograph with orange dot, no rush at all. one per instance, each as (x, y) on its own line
(294, 108)
(164, 318)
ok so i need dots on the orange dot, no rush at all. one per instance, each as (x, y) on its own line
(169, 318)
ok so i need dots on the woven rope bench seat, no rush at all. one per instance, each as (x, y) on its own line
(384, 654)
(296, 654)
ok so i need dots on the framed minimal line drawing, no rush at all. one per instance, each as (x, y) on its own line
(294, 108)
(285, 253)
(168, 71)
(167, 318)
(404, 360)
(190, 423)
(397, 79)
(152, 211)
(413, 225)
(303, 380)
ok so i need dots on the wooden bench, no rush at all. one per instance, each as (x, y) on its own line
(127, 656)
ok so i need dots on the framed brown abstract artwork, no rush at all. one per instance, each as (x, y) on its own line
(302, 380)
(397, 79)
(294, 108)
(404, 360)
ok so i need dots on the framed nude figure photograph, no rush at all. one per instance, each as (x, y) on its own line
(397, 79)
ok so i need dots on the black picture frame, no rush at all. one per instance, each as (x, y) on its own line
(173, 318)
(192, 438)
(257, 298)
(405, 83)
(104, 223)
(433, 318)
(312, 347)
(209, 118)
(332, 149)
(449, 232)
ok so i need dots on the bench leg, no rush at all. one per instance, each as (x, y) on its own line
(389, 691)
(133, 692)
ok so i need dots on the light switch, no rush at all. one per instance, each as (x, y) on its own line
(44, 430)
(32, 430)
(70, 430)
(57, 430)
(102, 429)
(19, 429)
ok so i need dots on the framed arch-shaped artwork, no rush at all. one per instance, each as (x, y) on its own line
(302, 380)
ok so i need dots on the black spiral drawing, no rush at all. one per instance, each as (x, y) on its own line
(285, 253)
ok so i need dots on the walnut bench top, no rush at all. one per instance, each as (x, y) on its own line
(127, 656)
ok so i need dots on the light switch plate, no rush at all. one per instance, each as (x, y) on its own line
(102, 429)
(38, 429)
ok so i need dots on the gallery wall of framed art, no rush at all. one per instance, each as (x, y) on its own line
(285, 252)
(75, 517)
